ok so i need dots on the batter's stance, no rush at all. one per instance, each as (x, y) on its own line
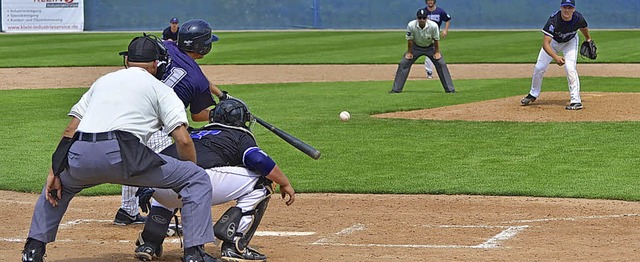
(423, 38)
(186, 78)
(560, 35)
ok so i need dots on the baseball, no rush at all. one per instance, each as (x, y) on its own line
(345, 116)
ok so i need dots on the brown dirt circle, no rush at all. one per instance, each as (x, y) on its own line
(346, 227)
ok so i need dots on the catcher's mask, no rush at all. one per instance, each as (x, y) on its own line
(232, 112)
(147, 48)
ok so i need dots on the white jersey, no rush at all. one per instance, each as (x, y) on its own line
(105, 108)
(423, 36)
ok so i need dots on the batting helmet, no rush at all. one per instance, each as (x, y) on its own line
(232, 112)
(195, 36)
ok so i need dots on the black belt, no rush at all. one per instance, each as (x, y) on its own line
(95, 137)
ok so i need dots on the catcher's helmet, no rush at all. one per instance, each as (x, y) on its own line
(195, 36)
(232, 112)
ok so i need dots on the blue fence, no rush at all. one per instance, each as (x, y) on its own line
(121, 15)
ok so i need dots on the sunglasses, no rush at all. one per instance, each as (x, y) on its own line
(422, 18)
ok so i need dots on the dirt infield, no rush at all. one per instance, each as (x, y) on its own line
(345, 227)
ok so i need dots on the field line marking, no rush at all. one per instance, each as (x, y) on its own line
(509, 232)
(505, 235)
(569, 218)
(72, 223)
(346, 231)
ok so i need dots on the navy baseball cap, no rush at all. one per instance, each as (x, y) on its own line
(421, 13)
(568, 2)
(142, 49)
(174, 20)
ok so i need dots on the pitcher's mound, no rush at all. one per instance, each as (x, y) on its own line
(598, 107)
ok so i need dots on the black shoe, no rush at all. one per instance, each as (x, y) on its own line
(197, 254)
(394, 92)
(229, 253)
(452, 91)
(574, 106)
(146, 251)
(123, 218)
(34, 251)
(528, 100)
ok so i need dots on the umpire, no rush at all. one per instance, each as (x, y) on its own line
(105, 142)
(423, 38)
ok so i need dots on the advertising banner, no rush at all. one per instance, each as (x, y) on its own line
(32, 16)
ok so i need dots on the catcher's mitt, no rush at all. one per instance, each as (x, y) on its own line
(588, 49)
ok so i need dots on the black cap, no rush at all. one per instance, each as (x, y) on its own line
(568, 2)
(421, 13)
(142, 49)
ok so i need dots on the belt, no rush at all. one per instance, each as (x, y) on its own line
(95, 137)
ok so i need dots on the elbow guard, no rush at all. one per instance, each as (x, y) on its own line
(257, 160)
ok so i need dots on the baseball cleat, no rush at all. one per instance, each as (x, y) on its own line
(393, 92)
(528, 100)
(34, 251)
(429, 75)
(146, 251)
(229, 253)
(197, 254)
(574, 106)
(123, 218)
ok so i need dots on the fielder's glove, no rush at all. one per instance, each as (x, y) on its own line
(589, 50)
(144, 195)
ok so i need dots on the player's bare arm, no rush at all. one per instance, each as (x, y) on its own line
(202, 116)
(445, 32)
(184, 144)
(585, 32)
(546, 45)
(286, 189)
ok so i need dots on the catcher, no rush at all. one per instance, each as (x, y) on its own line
(560, 35)
(238, 170)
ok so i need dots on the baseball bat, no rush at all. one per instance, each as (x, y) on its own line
(292, 140)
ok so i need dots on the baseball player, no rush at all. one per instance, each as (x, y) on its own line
(239, 170)
(186, 78)
(560, 35)
(105, 142)
(171, 32)
(438, 15)
(423, 38)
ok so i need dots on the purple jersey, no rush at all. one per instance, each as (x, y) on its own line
(438, 15)
(562, 31)
(187, 80)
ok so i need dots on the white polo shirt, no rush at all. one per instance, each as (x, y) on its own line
(130, 100)
(423, 36)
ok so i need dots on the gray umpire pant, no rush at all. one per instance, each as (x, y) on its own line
(94, 163)
(405, 67)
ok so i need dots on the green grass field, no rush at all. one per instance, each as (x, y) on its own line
(364, 155)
